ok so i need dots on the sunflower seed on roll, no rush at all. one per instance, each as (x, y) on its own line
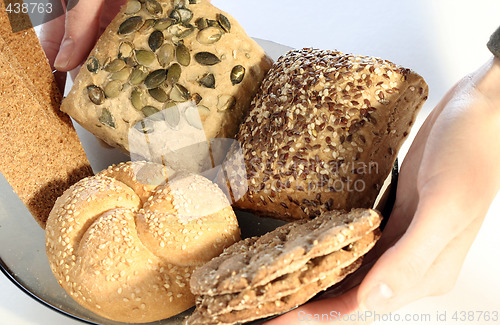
(323, 133)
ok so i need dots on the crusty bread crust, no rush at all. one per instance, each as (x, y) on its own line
(323, 133)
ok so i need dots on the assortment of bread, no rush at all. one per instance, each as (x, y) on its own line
(142, 241)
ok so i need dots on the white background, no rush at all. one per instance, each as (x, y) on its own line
(441, 40)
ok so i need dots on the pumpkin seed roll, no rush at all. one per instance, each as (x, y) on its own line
(185, 67)
(323, 133)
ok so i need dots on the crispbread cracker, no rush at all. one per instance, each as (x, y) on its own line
(284, 304)
(291, 283)
(257, 261)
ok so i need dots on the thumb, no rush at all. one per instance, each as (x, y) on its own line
(82, 27)
(400, 275)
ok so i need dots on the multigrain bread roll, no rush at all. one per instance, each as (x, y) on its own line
(40, 152)
(323, 133)
(185, 66)
(125, 242)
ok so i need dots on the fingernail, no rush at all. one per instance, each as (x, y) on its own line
(377, 297)
(64, 55)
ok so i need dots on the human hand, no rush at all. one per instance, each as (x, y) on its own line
(447, 182)
(68, 39)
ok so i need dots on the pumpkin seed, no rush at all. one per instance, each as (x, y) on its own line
(186, 15)
(237, 74)
(182, 54)
(155, 78)
(165, 54)
(163, 23)
(137, 76)
(136, 97)
(201, 23)
(132, 7)
(213, 23)
(93, 64)
(121, 75)
(153, 7)
(193, 2)
(182, 15)
(130, 25)
(172, 114)
(209, 35)
(207, 80)
(125, 50)
(145, 57)
(159, 94)
(131, 62)
(155, 40)
(226, 102)
(193, 117)
(196, 98)
(178, 4)
(113, 89)
(179, 93)
(96, 94)
(148, 24)
(149, 110)
(174, 73)
(206, 58)
(106, 118)
(224, 22)
(115, 65)
(181, 31)
(145, 127)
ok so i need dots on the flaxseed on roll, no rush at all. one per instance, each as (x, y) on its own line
(323, 133)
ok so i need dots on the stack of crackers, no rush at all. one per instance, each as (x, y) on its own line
(268, 275)
(40, 152)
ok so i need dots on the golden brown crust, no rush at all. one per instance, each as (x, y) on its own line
(323, 133)
(126, 250)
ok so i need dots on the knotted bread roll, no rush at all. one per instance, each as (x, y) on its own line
(125, 242)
